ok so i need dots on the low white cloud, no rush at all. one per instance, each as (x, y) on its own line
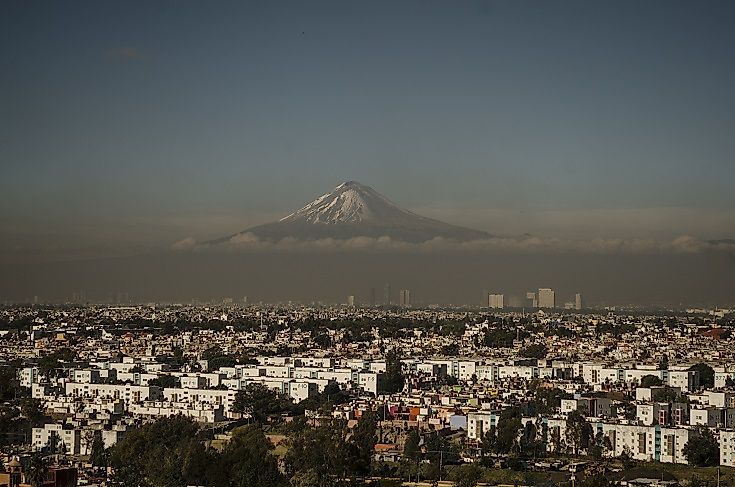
(188, 243)
(248, 242)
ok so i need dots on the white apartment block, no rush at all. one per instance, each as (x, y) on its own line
(28, 376)
(723, 375)
(727, 448)
(68, 439)
(126, 392)
(200, 397)
(686, 380)
(369, 381)
(647, 443)
(202, 412)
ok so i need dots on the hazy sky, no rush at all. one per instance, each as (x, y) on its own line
(131, 125)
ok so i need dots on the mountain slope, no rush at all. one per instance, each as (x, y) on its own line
(355, 210)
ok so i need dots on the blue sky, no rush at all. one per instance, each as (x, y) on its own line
(140, 123)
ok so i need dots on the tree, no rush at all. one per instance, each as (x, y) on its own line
(650, 381)
(32, 410)
(578, 431)
(626, 457)
(537, 350)
(509, 427)
(247, 460)
(702, 449)
(597, 447)
(668, 394)
(438, 451)
(164, 381)
(170, 441)
(362, 443)
(411, 451)
(308, 478)
(411, 448)
(393, 379)
(706, 374)
(467, 476)
(321, 450)
(547, 401)
(8, 383)
(36, 471)
(98, 455)
(489, 443)
(260, 401)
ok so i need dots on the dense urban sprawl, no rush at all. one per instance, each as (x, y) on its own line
(314, 396)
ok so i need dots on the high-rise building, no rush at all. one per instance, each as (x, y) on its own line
(387, 295)
(351, 301)
(577, 301)
(405, 297)
(372, 297)
(495, 301)
(546, 298)
(532, 297)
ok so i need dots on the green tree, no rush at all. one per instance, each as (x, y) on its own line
(578, 431)
(309, 478)
(509, 428)
(489, 443)
(537, 350)
(170, 441)
(597, 447)
(9, 387)
(362, 443)
(529, 443)
(547, 401)
(650, 381)
(260, 401)
(36, 471)
(320, 450)
(393, 378)
(467, 476)
(247, 460)
(702, 449)
(98, 455)
(706, 374)
(626, 458)
(411, 452)
(438, 452)
(165, 381)
(32, 410)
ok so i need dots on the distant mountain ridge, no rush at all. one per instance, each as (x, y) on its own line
(354, 210)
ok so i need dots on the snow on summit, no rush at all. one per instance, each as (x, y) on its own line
(350, 202)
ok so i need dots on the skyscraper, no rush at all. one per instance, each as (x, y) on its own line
(532, 297)
(351, 301)
(405, 297)
(372, 297)
(387, 294)
(546, 298)
(495, 301)
(577, 301)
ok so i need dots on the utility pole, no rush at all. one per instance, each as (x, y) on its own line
(441, 460)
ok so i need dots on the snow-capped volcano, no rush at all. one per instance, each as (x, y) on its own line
(355, 210)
